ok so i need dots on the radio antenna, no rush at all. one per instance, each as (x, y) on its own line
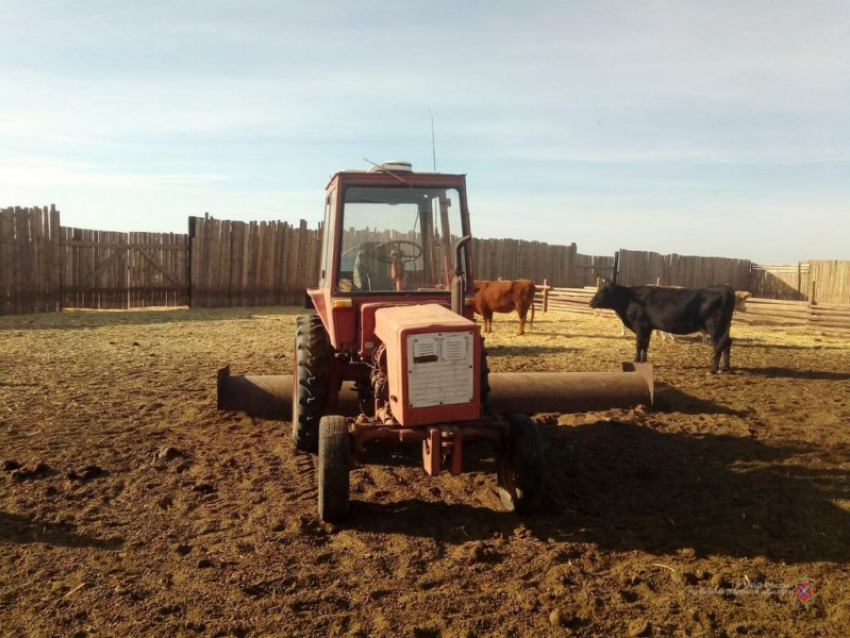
(433, 144)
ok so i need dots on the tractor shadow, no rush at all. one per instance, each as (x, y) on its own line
(477, 455)
(626, 487)
(23, 529)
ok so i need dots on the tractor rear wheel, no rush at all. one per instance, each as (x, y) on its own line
(334, 468)
(521, 467)
(310, 381)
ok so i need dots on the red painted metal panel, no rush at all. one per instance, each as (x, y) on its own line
(393, 326)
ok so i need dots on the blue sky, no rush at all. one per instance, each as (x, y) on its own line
(708, 128)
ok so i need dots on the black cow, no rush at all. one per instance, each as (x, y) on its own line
(680, 311)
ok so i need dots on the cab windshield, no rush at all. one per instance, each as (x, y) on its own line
(398, 238)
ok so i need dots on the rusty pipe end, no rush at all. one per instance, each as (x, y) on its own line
(645, 371)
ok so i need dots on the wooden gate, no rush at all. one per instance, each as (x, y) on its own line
(105, 270)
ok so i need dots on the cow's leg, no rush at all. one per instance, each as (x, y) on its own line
(727, 349)
(522, 312)
(717, 343)
(642, 337)
(646, 345)
(488, 321)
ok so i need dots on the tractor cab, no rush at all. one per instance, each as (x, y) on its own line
(390, 236)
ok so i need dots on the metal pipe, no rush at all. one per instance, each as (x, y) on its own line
(534, 392)
(270, 396)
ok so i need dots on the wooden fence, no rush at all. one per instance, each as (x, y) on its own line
(780, 281)
(549, 298)
(830, 281)
(45, 267)
(819, 280)
(516, 259)
(108, 270)
(805, 316)
(642, 267)
(29, 260)
(251, 264)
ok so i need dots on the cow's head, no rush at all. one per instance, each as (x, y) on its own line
(603, 297)
(741, 300)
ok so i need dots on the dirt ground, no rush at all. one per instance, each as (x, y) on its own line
(697, 517)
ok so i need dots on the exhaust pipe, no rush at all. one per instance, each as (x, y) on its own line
(270, 396)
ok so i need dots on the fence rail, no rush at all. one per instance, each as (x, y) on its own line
(568, 300)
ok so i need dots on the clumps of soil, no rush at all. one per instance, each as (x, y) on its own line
(169, 453)
(19, 472)
(86, 473)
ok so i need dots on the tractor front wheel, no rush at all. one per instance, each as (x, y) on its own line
(521, 467)
(310, 381)
(334, 468)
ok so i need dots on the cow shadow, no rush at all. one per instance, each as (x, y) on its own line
(519, 349)
(791, 373)
(670, 399)
(24, 529)
(751, 343)
(629, 338)
(625, 487)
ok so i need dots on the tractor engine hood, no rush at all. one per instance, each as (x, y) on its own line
(433, 363)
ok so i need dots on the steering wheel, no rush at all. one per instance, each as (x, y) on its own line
(395, 244)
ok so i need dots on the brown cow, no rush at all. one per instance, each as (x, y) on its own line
(505, 296)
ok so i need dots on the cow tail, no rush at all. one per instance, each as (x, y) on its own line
(531, 323)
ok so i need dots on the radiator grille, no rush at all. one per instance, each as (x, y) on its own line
(439, 369)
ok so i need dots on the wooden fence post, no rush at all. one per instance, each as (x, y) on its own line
(616, 267)
(545, 296)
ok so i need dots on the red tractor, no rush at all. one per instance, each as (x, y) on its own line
(393, 353)
(395, 324)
